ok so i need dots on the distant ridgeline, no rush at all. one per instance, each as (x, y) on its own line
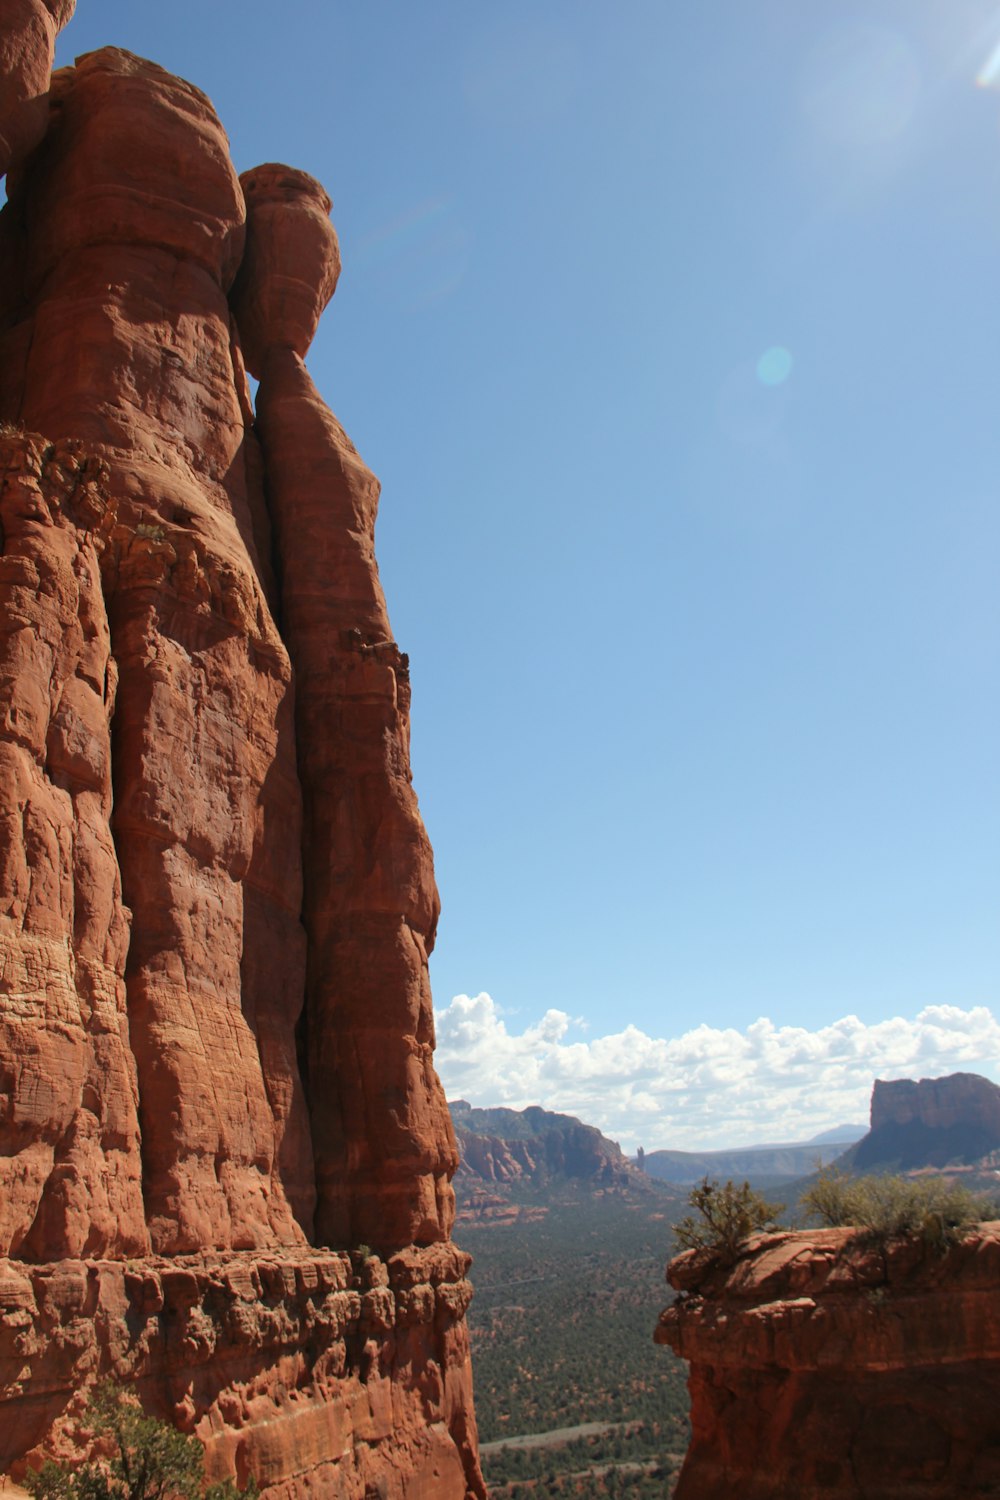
(759, 1165)
(535, 1147)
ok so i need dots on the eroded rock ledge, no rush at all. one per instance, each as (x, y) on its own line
(823, 1365)
(340, 1370)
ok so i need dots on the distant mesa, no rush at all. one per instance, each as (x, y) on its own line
(930, 1123)
(934, 1122)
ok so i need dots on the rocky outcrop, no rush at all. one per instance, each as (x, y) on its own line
(825, 1365)
(128, 347)
(28, 32)
(217, 894)
(226, 1347)
(536, 1146)
(384, 1147)
(291, 263)
(935, 1122)
(383, 1143)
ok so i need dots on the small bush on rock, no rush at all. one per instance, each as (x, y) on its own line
(891, 1206)
(150, 1459)
(724, 1217)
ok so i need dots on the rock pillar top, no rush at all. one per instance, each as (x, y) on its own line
(28, 30)
(291, 264)
(113, 114)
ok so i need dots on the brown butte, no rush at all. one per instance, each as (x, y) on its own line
(215, 1035)
(824, 1367)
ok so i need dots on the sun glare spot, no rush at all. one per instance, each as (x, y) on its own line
(861, 84)
(988, 76)
(774, 365)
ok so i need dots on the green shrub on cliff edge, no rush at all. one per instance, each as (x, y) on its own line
(150, 1459)
(886, 1207)
(724, 1217)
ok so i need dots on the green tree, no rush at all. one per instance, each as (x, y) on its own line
(725, 1215)
(150, 1459)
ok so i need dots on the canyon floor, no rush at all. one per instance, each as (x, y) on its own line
(572, 1396)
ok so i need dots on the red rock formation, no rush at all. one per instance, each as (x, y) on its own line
(28, 30)
(69, 1133)
(151, 1095)
(535, 1145)
(824, 1366)
(226, 1347)
(291, 264)
(384, 1147)
(129, 347)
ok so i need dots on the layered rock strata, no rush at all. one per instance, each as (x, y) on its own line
(823, 1365)
(217, 894)
(333, 1373)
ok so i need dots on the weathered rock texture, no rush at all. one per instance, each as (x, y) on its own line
(336, 1374)
(216, 894)
(28, 34)
(824, 1366)
(537, 1146)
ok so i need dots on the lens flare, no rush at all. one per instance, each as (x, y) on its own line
(988, 76)
(774, 365)
(861, 84)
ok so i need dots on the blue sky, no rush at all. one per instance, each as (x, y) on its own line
(672, 332)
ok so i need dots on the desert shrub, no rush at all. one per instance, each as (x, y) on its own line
(889, 1206)
(150, 1460)
(724, 1217)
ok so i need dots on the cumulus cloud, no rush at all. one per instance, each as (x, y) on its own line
(708, 1087)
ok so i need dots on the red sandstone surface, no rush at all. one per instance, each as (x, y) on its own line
(825, 1366)
(27, 43)
(217, 894)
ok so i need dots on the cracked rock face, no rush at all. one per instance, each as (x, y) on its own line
(216, 893)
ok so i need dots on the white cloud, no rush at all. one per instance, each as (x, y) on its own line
(708, 1087)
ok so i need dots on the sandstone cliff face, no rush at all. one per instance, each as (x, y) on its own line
(70, 1170)
(822, 1366)
(217, 894)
